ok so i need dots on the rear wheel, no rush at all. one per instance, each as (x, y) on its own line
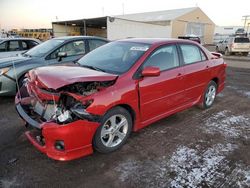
(114, 130)
(209, 95)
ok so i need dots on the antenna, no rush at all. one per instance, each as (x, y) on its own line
(18, 88)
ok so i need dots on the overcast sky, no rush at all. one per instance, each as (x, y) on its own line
(39, 14)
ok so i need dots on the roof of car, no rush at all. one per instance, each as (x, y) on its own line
(79, 37)
(155, 40)
(21, 38)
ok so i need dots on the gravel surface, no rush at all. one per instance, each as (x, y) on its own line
(193, 148)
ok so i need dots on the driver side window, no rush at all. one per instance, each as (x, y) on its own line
(71, 48)
(165, 58)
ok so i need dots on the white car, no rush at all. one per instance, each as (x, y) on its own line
(234, 45)
(10, 47)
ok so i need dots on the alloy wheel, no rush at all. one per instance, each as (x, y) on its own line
(114, 130)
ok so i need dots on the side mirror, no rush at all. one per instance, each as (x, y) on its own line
(150, 71)
(61, 55)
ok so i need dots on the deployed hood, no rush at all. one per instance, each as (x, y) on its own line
(55, 77)
(8, 61)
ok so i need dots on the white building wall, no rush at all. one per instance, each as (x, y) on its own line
(119, 29)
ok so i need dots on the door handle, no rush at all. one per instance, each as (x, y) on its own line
(207, 66)
(179, 74)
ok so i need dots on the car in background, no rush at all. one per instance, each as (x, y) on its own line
(240, 31)
(193, 38)
(13, 46)
(62, 50)
(122, 86)
(234, 45)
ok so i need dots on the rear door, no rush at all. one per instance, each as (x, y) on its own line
(196, 69)
(161, 94)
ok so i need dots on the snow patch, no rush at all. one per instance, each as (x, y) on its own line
(229, 125)
(186, 167)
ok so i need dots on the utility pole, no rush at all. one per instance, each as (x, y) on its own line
(245, 19)
(122, 8)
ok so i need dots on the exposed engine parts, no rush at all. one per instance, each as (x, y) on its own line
(86, 88)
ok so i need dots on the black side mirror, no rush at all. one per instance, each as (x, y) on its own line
(61, 55)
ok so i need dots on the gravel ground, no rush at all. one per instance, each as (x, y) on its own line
(193, 148)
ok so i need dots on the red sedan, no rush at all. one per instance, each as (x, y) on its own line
(120, 87)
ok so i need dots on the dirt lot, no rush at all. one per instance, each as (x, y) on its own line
(194, 148)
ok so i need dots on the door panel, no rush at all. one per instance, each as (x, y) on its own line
(196, 70)
(161, 94)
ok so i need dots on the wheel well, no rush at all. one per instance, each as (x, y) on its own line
(216, 80)
(130, 110)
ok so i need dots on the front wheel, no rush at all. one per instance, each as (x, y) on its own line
(114, 130)
(209, 95)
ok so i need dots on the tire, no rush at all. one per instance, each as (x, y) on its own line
(209, 95)
(109, 135)
(20, 81)
(227, 53)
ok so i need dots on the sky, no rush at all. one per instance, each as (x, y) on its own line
(40, 13)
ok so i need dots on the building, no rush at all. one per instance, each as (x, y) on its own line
(41, 34)
(168, 24)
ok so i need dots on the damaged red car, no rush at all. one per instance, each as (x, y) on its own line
(120, 87)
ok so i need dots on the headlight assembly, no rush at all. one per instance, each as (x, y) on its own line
(4, 70)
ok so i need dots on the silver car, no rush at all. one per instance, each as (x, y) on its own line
(10, 47)
(62, 50)
(233, 45)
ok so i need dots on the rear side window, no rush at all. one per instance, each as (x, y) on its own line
(93, 44)
(165, 58)
(192, 54)
(241, 40)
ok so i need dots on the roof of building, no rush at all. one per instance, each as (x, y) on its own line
(164, 15)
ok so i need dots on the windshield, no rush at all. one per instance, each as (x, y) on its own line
(43, 48)
(114, 57)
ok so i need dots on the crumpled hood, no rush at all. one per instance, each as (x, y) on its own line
(54, 77)
(8, 61)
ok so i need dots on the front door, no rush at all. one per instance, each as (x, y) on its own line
(161, 94)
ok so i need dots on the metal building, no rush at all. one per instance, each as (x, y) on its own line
(168, 23)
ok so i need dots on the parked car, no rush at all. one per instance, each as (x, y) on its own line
(193, 38)
(59, 51)
(10, 47)
(234, 45)
(120, 87)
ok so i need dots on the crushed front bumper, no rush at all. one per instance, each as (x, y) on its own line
(76, 136)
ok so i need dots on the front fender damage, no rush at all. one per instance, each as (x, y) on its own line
(64, 128)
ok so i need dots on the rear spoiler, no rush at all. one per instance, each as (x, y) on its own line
(216, 55)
